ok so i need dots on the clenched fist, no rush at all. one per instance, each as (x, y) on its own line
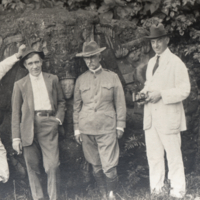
(21, 50)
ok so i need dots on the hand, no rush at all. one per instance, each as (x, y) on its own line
(21, 50)
(78, 138)
(119, 134)
(154, 96)
(17, 146)
(58, 120)
(140, 103)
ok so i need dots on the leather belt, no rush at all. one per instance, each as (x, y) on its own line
(44, 113)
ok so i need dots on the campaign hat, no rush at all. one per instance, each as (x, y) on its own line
(89, 49)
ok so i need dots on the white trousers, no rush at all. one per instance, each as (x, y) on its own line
(4, 170)
(156, 144)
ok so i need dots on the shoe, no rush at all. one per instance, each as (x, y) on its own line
(101, 184)
(177, 195)
(111, 196)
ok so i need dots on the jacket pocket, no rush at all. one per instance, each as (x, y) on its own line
(107, 91)
(83, 121)
(109, 122)
(82, 115)
(85, 93)
(107, 86)
(84, 88)
(174, 119)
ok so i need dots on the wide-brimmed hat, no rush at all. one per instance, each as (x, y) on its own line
(29, 51)
(157, 31)
(89, 49)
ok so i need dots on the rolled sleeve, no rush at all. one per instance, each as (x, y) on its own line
(7, 64)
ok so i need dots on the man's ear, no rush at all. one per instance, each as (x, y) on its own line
(100, 57)
(167, 38)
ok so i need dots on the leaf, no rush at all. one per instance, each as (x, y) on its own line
(109, 2)
(108, 16)
(153, 7)
(188, 2)
(104, 8)
(120, 2)
(6, 1)
(165, 10)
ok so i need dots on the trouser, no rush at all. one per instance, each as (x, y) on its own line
(4, 170)
(44, 150)
(156, 143)
(102, 151)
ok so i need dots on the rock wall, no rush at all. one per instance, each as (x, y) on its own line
(61, 34)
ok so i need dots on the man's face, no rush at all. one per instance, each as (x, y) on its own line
(160, 44)
(34, 65)
(93, 62)
(67, 87)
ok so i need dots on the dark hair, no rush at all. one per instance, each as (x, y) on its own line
(31, 55)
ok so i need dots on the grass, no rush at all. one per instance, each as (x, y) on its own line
(17, 191)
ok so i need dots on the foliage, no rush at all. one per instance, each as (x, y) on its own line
(181, 19)
(179, 16)
(133, 158)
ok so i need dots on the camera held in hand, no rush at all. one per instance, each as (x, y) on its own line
(139, 97)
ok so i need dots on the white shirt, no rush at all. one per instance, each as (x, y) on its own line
(40, 94)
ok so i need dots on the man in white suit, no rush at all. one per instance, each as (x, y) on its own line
(167, 85)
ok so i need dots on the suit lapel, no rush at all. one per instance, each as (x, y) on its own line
(162, 66)
(29, 93)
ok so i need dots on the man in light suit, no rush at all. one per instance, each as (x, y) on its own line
(99, 118)
(37, 110)
(167, 85)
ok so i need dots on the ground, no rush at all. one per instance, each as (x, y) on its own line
(17, 191)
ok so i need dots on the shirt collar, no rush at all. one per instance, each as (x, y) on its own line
(96, 70)
(34, 78)
(164, 53)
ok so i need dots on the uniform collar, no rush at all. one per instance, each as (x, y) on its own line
(96, 71)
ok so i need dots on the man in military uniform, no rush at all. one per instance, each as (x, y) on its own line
(99, 117)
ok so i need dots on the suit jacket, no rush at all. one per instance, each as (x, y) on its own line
(23, 106)
(99, 103)
(171, 78)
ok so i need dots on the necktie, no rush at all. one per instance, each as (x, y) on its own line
(156, 64)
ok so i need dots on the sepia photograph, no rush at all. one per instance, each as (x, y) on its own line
(99, 99)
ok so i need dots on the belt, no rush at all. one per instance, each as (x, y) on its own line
(44, 113)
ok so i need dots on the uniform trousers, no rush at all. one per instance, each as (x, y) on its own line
(156, 144)
(43, 151)
(4, 170)
(102, 151)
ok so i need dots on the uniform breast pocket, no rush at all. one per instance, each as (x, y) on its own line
(107, 91)
(85, 93)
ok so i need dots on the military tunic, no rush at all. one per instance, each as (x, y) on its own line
(99, 108)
